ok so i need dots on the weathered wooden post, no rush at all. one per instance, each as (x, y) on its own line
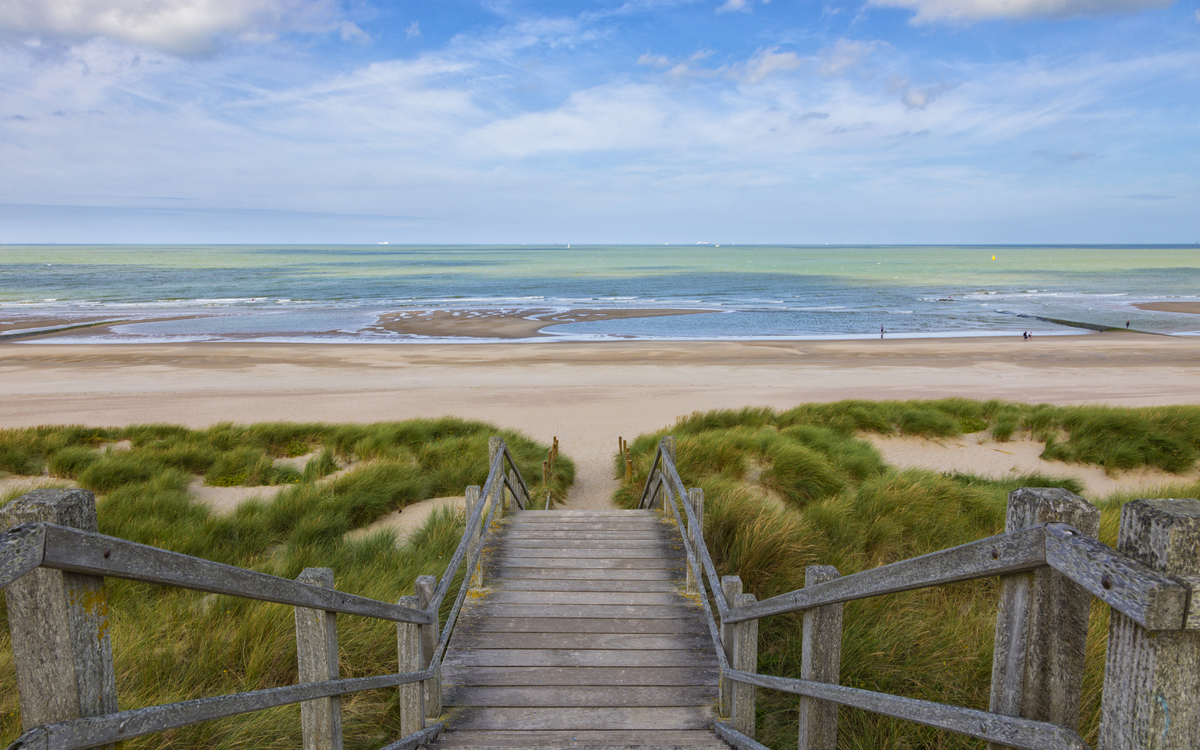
(731, 589)
(662, 494)
(1042, 620)
(745, 659)
(821, 661)
(317, 657)
(59, 622)
(499, 498)
(695, 534)
(1152, 679)
(412, 694)
(430, 633)
(474, 576)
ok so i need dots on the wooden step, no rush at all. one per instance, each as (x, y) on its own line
(580, 740)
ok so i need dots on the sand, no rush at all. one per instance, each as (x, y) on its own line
(586, 394)
(503, 324)
(1192, 308)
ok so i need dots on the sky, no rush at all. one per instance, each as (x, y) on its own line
(600, 121)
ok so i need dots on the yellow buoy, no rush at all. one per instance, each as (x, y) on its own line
(993, 257)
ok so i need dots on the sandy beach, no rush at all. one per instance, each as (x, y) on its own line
(586, 394)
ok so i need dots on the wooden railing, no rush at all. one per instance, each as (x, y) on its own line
(1051, 567)
(53, 565)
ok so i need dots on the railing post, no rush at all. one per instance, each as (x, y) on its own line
(412, 694)
(821, 661)
(1042, 620)
(731, 589)
(474, 576)
(59, 622)
(662, 494)
(317, 657)
(499, 497)
(745, 659)
(430, 633)
(696, 535)
(1152, 680)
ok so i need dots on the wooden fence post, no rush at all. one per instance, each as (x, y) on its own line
(317, 657)
(1152, 680)
(412, 694)
(745, 659)
(821, 661)
(474, 576)
(731, 589)
(59, 622)
(696, 534)
(499, 497)
(430, 634)
(1042, 620)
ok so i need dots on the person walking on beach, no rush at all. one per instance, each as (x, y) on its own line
(880, 331)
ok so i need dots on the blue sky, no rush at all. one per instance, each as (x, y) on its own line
(348, 121)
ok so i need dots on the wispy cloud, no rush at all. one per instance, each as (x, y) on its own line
(965, 11)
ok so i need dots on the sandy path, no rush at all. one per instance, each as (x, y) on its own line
(585, 394)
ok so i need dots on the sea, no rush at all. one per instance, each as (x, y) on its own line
(296, 293)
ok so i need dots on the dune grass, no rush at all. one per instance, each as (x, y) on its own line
(172, 645)
(784, 490)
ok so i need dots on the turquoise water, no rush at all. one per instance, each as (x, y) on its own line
(290, 293)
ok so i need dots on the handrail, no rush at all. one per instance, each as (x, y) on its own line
(47, 545)
(1153, 600)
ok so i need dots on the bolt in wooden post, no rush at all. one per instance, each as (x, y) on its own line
(731, 589)
(59, 622)
(1152, 680)
(412, 694)
(821, 661)
(474, 576)
(429, 640)
(317, 657)
(745, 659)
(696, 534)
(1042, 620)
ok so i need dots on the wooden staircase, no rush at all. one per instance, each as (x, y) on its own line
(581, 638)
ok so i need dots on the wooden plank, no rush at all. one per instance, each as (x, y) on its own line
(1152, 599)
(582, 641)
(570, 543)
(592, 695)
(602, 584)
(615, 537)
(470, 623)
(615, 574)
(585, 718)
(637, 611)
(1012, 552)
(501, 676)
(603, 563)
(655, 552)
(96, 554)
(532, 515)
(697, 738)
(579, 658)
(584, 597)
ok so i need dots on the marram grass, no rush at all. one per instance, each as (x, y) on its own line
(784, 490)
(171, 645)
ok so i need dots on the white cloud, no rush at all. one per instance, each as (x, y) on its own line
(734, 5)
(414, 30)
(768, 62)
(965, 11)
(844, 55)
(178, 27)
